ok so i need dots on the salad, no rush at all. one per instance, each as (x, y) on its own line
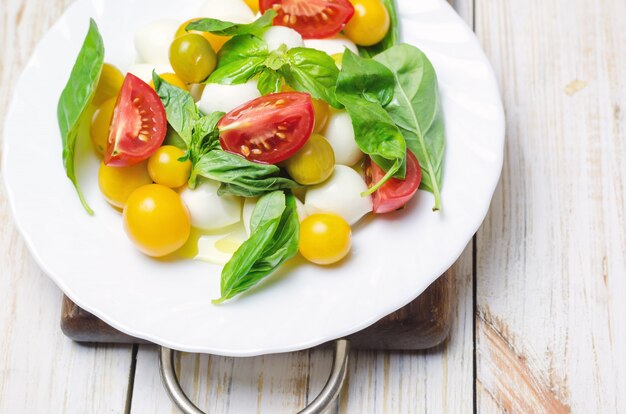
(257, 131)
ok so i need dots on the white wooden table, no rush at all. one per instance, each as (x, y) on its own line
(540, 314)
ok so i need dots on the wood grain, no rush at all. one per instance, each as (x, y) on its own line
(40, 370)
(551, 273)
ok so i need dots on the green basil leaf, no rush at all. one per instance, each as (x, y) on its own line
(312, 71)
(391, 39)
(222, 28)
(416, 109)
(77, 96)
(239, 176)
(274, 240)
(180, 108)
(239, 60)
(205, 138)
(270, 81)
(364, 87)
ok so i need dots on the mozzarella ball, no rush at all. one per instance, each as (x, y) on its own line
(144, 70)
(209, 211)
(225, 98)
(340, 133)
(332, 46)
(341, 195)
(236, 11)
(153, 41)
(276, 36)
(250, 204)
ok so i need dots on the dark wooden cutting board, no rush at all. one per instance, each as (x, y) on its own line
(422, 324)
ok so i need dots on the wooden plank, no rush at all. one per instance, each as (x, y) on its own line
(550, 259)
(40, 370)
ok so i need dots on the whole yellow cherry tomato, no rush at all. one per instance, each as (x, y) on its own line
(320, 108)
(173, 79)
(166, 169)
(118, 183)
(192, 58)
(156, 220)
(100, 123)
(325, 238)
(216, 41)
(313, 163)
(369, 24)
(109, 85)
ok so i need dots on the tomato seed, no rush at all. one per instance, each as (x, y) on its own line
(245, 150)
(281, 135)
(257, 151)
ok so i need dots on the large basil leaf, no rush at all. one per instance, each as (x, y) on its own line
(222, 28)
(239, 176)
(240, 59)
(392, 37)
(77, 96)
(364, 86)
(274, 240)
(416, 109)
(311, 71)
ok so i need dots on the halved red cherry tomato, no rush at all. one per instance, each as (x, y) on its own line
(139, 124)
(394, 193)
(313, 19)
(269, 129)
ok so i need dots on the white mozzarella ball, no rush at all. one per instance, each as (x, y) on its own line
(333, 45)
(276, 36)
(341, 195)
(153, 41)
(144, 70)
(236, 11)
(209, 211)
(340, 133)
(225, 98)
(250, 204)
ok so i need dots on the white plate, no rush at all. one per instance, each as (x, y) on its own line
(394, 259)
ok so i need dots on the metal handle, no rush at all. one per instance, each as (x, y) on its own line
(319, 405)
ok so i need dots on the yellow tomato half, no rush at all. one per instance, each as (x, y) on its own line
(118, 183)
(166, 169)
(369, 24)
(156, 220)
(325, 238)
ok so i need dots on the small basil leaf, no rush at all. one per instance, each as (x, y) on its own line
(392, 37)
(274, 240)
(270, 81)
(180, 108)
(312, 71)
(222, 28)
(240, 59)
(416, 109)
(76, 97)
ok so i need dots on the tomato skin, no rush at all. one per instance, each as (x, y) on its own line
(192, 58)
(395, 193)
(100, 122)
(109, 84)
(325, 239)
(313, 19)
(139, 124)
(156, 220)
(268, 129)
(370, 22)
(314, 163)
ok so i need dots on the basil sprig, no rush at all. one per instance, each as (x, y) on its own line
(365, 87)
(416, 109)
(305, 70)
(76, 97)
(200, 135)
(222, 28)
(274, 239)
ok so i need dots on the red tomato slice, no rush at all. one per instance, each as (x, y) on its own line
(269, 129)
(139, 124)
(313, 19)
(395, 193)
